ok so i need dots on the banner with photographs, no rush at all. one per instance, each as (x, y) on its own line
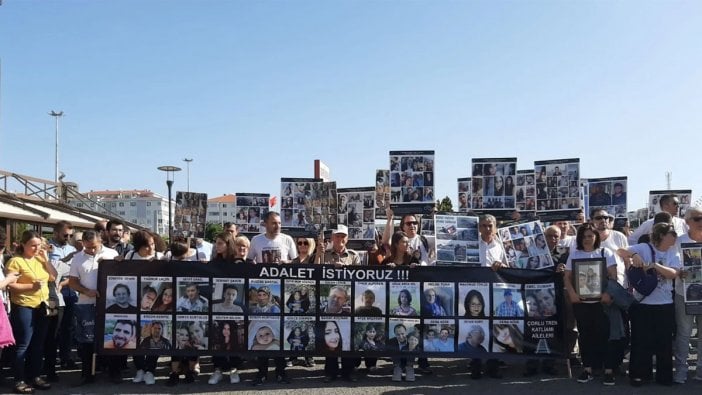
(525, 245)
(684, 197)
(190, 214)
(493, 186)
(412, 182)
(382, 193)
(457, 239)
(692, 281)
(526, 193)
(464, 195)
(250, 209)
(307, 201)
(558, 189)
(357, 211)
(353, 311)
(606, 193)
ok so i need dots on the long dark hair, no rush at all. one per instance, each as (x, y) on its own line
(323, 343)
(466, 303)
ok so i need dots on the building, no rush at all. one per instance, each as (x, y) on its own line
(221, 209)
(141, 207)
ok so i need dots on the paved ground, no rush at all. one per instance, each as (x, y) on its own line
(450, 377)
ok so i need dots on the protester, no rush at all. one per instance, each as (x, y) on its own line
(272, 246)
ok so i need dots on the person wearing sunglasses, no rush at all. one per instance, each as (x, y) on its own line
(305, 250)
(418, 244)
(683, 321)
(669, 204)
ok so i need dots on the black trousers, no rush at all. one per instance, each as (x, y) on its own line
(652, 329)
(86, 351)
(331, 366)
(262, 366)
(226, 363)
(146, 363)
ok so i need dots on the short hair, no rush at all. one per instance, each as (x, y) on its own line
(148, 289)
(399, 326)
(131, 323)
(121, 285)
(62, 224)
(227, 224)
(476, 328)
(115, 222)
(99, 227)
(552, 228)
(90, 235)
(693, 212)
(660, 230)
(270, 214)
(341, 288)
(596, 209)
(157, 323)
(229, 286)
(581, 233)
(663, 217)
(665, 199)
(141, 239)
(488, 217)
(368, 293)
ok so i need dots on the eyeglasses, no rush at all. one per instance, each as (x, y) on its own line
(303, 243)
(602, 218)
(696, 219)
(675, 202)
(415, 223)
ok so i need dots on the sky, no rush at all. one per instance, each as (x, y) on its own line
(255, 91)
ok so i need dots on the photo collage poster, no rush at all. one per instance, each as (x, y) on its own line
(692, 282)
(412, 182)
(457, 239)
(250, 209)
(357, 211)
(494, 187)
(526, 192)
(382, 193)
(464, 195)
(234, 310)
(306, 202)
(190, 214)
(525, 245)
(558, 189)
(606, 193)
(684, 196)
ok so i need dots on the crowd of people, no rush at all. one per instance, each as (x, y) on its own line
(49, 292)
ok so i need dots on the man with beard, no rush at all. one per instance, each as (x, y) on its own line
(115, 231)
(123, 336)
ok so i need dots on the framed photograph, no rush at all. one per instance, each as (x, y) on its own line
(588, 277)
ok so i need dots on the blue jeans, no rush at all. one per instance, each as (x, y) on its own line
(29, 326)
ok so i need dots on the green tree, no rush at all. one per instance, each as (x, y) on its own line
(444, 205)
(212, 230)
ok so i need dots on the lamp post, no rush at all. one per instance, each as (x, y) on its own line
(56, 115)
(187, 165)
(169, 182)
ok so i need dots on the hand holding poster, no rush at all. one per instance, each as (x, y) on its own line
(457, 239)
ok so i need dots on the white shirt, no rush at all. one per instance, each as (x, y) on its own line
(645, 228)
(281, 247)
(615, 241)
(85, 268)
(205, 248)
(416, 244)
(492, 252)
(663, 293)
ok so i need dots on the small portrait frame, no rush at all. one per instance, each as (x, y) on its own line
(588, 277)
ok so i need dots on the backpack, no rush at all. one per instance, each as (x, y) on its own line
(643, 281)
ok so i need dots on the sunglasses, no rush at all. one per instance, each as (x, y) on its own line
(303, 243)
(411, 223)
(602, 218)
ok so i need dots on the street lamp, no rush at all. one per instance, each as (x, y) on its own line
(56, 116)
(169, 182)
(187, 164)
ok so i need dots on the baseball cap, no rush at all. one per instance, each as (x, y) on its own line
(343, 229)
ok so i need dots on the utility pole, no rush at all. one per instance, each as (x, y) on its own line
(187, 165)
(56, 116)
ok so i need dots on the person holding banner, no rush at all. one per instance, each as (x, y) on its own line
(400, 252)
(144, 247)
(278, 247)
(596, 349)
(339, 254)
(305, 250)
(409, 224)
(684, 322)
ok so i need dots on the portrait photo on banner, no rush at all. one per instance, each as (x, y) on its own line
(508, 336)
(540, 300)
(299, 333)
(473, 336)
(474, 300)
(122, 294)
(437, 299)
(333, 334)
(120, 332)
(264, 296)
(229, 295)
(507, 300)
(404, 334)
(194, 294)
(156, 294)
(228, 333)
(335, 297)
(439, 335)
(300, 296)
(156, 332)
(369, 334)
(370, 300)
(404, 299)
(264, 334)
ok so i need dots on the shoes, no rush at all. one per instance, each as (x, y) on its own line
(216, 377)
(309, 362)
(172, 379)
(289, 364)
(585, 377)
(258, 381)
(189, 377)
(409, 373)
(149, 378)
(23, 388)
(234, 377)
(40, 384)
(139, 377)
(283, 379)
(196, 368)
(608, 379)
(397, 373)
(426, 370)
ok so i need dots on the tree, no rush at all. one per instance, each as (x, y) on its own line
(445, 205)
(212, 230)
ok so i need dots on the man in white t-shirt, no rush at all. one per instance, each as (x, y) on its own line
(272, 246)
(418, 243)
(492, 253)
(611, 239)
(83, 278)
(671, 205)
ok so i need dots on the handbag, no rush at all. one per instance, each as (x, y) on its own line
(643, 281)
(85, 323)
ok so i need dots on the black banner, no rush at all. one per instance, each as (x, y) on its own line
(185, 308)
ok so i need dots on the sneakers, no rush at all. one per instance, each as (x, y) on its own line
(409, 373)
(585, 377)
(139, 377)
(149, 378)
(234, 377)
(216, 377)
(172, 379)
(397, 373)
(608, 379)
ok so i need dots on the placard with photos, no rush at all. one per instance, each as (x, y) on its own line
(557, 189)
(692, 281)
(526, 191)
(494, 186)
(308, 201)
(382, 193)
(684, 198)
(606, 193)
(457, 239)
(356, 208)
(525, 245)
(190, 214)
(412, 182)
(464, 195)
(250, 210)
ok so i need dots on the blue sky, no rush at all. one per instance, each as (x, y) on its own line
(255, 91)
